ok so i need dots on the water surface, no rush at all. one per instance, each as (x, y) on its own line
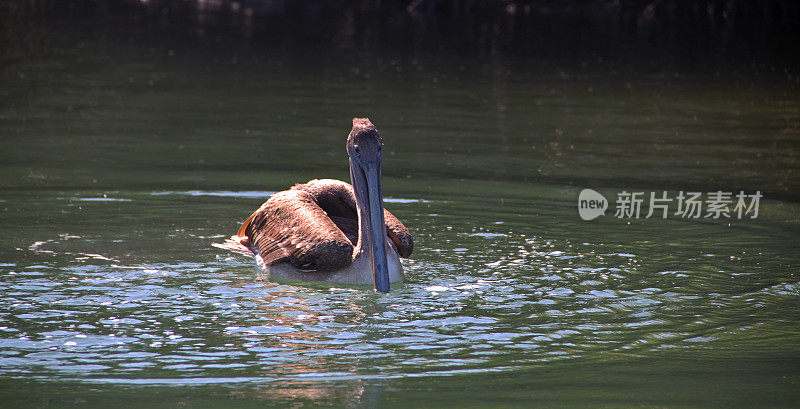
(121, 165)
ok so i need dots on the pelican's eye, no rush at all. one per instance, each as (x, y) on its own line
(357, 149)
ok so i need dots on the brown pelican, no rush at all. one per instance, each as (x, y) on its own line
(328, 230)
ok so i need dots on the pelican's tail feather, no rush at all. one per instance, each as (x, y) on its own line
(237, 244)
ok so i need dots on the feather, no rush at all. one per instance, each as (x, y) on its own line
(314, 226)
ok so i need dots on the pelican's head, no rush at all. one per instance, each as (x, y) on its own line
(365, 148)
(364, 144)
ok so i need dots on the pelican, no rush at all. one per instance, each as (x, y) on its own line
(329, 230)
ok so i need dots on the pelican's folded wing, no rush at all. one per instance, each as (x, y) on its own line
(339, 201)
(399, 234)
(292, 227)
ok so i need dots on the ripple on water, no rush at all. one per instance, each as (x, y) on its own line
(535, 301)
(252, 194)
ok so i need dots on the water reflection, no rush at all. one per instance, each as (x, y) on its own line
(348, 393)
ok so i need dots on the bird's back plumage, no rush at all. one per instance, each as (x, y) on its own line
(313, 226)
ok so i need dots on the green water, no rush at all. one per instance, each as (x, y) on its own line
(122, 164)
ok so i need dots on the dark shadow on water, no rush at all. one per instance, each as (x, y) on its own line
(633, 36)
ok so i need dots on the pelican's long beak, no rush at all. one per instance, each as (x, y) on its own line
(377, 227)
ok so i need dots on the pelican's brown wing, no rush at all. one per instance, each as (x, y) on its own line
(339, 202)
(314, 226)
(291, 226)
(399, 234)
